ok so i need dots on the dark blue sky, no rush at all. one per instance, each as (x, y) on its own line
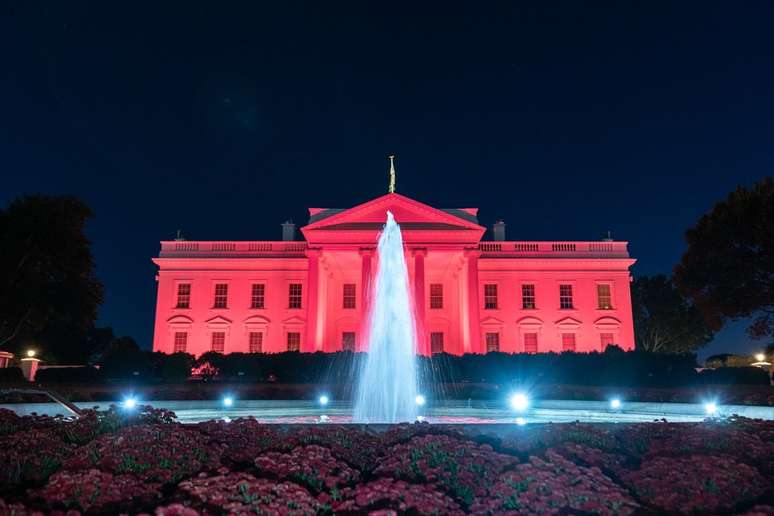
(564, 118)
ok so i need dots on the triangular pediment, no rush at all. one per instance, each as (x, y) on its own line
(218, 320)
(492, 321)
(368, 219)
(568, 323)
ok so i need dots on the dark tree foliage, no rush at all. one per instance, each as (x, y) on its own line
(47, 279)
(728, 269)
(124, 359)
(664, 320)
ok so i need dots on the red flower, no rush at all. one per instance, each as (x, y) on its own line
(462, 468)
(176, 509)
(154, 453)
(553, 486)
(695, 483)
(31, 456)
(386, 494)
(312, 466)
(97, 490)
(357, 447)
(241, 493)
(242, 439)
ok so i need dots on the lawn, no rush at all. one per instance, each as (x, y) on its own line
(145, 462)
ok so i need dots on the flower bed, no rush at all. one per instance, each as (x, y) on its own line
(145, 462)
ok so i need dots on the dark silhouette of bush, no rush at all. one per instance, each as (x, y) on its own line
(11, 374)
(69, 375)
(735, 376)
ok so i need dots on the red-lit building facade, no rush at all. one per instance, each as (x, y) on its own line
(470, 296)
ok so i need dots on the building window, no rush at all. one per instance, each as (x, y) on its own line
(294, 341)
(604, 297)
(294, 295)
(348, 341)
(256, 342)
(436, 342)
(436, 296)
(349, 295)
(218, 344)
(606, 339)
(568, 342)
(492, 342)
(490, 296)
(181, 341)
(183, 295)
(221, 295)
(528, 297)
(565, 297)
(258, 296)
(530, 343)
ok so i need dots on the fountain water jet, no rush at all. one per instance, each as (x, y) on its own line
(387, 383)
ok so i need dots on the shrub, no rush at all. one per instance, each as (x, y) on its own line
(154, 453)
(95, 490)
(387, 494)
(241, 493)
(69, 375)
(695, 483)
(462, 468)
(242, 439)
(353, 446)
(312, 466)
(12, 375)
(176, 366)
(554, 485)
(30, 456)
(735, 376)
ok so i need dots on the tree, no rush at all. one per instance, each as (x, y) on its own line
(728, 268)
(47, 278)
(664, 320)
(124, 359)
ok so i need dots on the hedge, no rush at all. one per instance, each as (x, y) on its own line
(11, 374)
(68, 375)
(611, 368)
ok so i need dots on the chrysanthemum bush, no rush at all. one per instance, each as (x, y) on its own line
(96, 490)
(312, 466)
(242, 493)
(696, 483)
(145, 462)
(553, 485)
(153, 453)
(460, 467)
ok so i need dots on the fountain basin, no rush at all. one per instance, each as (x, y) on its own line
(448, 412)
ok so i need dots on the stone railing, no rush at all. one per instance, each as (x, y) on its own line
(569, 249)
(186, 248)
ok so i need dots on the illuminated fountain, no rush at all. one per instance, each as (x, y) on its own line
(387, 382)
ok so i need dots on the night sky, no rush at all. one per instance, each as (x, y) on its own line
(566, 119)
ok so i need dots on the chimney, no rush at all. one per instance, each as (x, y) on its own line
(288, 231)
(498, 231)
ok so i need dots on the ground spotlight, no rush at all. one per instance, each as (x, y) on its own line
(130, 403)
(228, 401)
(323, 400)
(420, 400)
(615, 403)
(711, 408)
(521, 421)
(519, 401)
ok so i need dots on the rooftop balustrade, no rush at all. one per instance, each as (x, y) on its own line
(595, 249)
(193, 249)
